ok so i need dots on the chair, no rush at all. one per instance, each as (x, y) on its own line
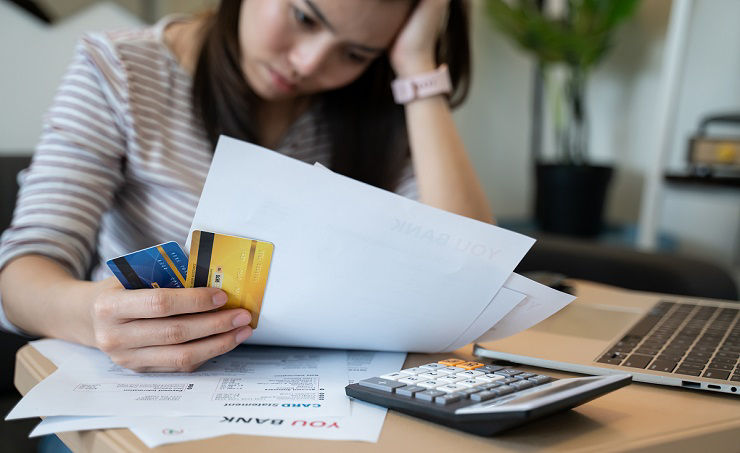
(13, 434)
(629, 268)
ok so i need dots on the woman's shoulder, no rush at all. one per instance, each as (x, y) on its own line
(124, 53)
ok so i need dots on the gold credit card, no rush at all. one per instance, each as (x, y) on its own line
(239, 266)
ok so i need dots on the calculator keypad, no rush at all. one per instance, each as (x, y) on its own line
(453, 380)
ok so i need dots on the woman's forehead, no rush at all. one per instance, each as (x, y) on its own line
(371, 22)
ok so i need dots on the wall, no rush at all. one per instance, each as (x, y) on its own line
(34, 57)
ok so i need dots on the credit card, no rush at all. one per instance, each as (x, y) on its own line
(238, 266)
(160, 266)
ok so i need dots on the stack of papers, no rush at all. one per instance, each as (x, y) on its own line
(263, 391)
(354, 269)
(357, 267)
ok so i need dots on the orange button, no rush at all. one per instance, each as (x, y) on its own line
(451, 362)
(469, 365)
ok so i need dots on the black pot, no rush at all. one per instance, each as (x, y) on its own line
(570, 198)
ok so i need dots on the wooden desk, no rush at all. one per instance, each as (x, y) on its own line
(640, 417)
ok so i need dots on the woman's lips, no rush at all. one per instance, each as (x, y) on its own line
(280, 82)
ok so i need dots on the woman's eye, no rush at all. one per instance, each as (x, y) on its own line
(302, 18)
(356, 58)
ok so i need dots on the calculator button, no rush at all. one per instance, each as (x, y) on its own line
(415, 370)
(450, 378)
(393, 376)
(470, 374)
(490, 368)
(493, 376)
(432, 366)
(509, 380)
(483, 396)
(429, 384)
(386, 385)
(451, 362)
(491, 386)
(526, 375)
(504, 390)
(449, 398)
(470, 391)
(409, 390)
(412, 380)
(540, 379)
(430, 375)
(509, 372)
(470, 383)
(448, 370)
(489, 378)
(469, 365)
(428, 395)
(521, 385)
(452, 388)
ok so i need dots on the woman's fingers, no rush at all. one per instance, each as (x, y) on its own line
(157, 303)
(175, 330)
(184, 357)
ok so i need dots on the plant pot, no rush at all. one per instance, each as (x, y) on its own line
(570, 198)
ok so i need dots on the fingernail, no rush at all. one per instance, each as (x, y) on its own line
(220, 298)
(243, 334)
(242, 319)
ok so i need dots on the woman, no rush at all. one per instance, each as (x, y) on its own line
(127, 144)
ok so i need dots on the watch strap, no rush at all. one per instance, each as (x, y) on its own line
(421, 86)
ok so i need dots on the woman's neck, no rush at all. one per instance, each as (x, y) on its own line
(275, 119)
(183, 38)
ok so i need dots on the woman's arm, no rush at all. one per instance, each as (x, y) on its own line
(445, 176)
(72, 181)
(144, 330)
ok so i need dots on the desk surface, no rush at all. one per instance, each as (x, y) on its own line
(640, 417)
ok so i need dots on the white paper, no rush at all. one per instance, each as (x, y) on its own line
(354, 266)
(270, 382)
(364, 423)
(505, 301)
(541, 302)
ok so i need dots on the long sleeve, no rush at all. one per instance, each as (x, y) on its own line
(77, 166)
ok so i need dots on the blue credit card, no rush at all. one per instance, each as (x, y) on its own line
(161, 266)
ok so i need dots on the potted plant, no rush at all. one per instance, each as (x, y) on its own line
(568, 38)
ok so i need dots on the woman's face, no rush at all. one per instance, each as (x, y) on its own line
(298, 47)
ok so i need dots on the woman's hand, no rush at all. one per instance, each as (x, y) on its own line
(413, 50)
(165, 329)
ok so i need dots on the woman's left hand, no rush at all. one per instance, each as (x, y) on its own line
(413, 50)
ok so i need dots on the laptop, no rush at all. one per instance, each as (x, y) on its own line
(668, 340)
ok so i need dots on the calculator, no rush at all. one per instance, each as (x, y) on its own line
(479, 398)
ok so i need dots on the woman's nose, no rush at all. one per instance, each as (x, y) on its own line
(309, 55)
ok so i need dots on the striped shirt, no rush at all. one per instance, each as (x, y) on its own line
(123, 158)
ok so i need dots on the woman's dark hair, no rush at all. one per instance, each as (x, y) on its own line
(366, 128)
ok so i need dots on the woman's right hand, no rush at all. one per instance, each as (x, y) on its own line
(165, 329)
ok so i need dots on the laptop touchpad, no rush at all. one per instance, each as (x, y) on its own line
(599, 323)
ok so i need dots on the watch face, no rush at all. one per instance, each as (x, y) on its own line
(403, 90)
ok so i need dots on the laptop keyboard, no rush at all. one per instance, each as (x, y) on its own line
(682, 338)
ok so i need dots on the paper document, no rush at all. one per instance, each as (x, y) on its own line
(364, 422)
(354, 266)
(270, 382)
(541, 302)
